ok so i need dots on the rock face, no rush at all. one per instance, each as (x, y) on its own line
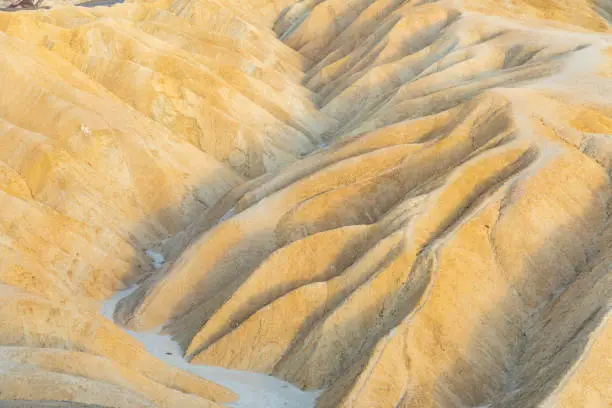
(400, 203)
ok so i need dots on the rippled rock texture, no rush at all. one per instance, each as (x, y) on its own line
(401, 203)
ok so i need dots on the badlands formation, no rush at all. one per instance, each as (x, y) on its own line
(385, 203)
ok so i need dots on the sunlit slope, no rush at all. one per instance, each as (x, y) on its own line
(452, 250)
(119, 128)
(402, 203)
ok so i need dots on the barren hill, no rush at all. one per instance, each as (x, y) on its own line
(385, 203)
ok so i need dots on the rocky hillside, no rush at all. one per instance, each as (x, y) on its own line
(395, 203)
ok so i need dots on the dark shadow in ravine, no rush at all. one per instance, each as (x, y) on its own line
(100, 3)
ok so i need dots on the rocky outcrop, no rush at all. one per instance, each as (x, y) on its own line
(399, 203)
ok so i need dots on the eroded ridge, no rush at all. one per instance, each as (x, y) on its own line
(400, 203)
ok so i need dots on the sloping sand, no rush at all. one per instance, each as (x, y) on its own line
(379, 203)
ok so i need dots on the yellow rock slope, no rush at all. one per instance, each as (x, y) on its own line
(399, 203)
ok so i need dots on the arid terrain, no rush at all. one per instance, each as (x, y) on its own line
(315, 203)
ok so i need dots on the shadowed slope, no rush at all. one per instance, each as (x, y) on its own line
(429, 154)
(403, 203)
